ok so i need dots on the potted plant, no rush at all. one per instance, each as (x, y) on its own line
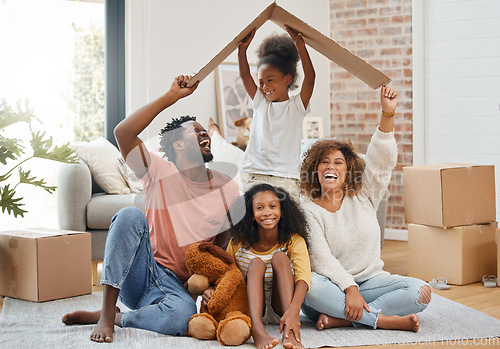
(14, 152)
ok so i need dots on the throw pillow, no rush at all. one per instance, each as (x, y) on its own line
(100, 156)
(226, 154)
(130, 177)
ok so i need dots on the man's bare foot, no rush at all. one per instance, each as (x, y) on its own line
(395, 322)
(82, 317)
(212, 127)
(263, 340)
(103, 332)
(291, 342)
(326, 321)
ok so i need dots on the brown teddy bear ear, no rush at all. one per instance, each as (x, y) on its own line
(216, 251)
(240, 122)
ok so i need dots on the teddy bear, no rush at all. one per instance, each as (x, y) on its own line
(226, 316)
(243, 135)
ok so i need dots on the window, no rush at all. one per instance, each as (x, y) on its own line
(52, 56)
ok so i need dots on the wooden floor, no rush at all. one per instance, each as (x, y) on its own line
(487, 300)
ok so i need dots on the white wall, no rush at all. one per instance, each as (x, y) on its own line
(165, 38)
(462, 83)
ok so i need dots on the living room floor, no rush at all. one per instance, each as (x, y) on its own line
(395, 257)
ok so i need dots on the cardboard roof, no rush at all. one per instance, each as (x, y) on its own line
(321, 43)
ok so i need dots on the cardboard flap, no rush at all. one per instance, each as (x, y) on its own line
(30, 234)
(330, 49)
(39, 233)
(233, 45)
(321, 43)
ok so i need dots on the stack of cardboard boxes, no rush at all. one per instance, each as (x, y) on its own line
(451, 216)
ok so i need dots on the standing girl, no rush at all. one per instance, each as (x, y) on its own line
(273, 152)
(269, 247)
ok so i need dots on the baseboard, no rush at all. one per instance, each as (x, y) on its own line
(396, 234)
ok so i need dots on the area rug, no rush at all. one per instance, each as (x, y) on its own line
(38, 325)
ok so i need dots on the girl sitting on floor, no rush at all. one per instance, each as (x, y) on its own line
(269, 247)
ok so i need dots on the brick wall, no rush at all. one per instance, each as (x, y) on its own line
(379, 32)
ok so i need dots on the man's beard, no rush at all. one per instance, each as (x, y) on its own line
(207, 157)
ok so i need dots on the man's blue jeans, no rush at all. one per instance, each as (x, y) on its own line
(158, 300)
(386, 294)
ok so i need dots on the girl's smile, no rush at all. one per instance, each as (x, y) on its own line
(273, 84)
(266, 210)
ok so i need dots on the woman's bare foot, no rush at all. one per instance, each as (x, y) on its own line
(263, 340)
(82, 317)
(291, 342)
(395, 322)
(326, 321)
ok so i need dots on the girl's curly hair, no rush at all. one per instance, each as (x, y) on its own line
(292, 221)
(309, 181)
(171, 133)
(280, 52)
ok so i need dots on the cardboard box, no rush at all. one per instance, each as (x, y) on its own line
(498, 256)
(449, 195)
(462, 255)
(42, 264)
(321, 43)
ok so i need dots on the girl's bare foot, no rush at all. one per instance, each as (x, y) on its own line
(326, 321)
(82, 317)
(395, 322)
(212, 127)
(263, 340)
(291, 342)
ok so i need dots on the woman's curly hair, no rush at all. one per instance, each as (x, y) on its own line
(292, 221)
(309, 181)
(280, 52)
(171, 133)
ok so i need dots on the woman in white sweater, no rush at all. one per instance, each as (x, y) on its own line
(349, 286)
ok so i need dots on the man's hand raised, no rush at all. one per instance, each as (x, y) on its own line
(180, 86)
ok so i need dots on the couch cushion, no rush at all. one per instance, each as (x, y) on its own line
(102, 208)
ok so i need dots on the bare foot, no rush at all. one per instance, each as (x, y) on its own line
(212, 127)
(263, 340)
(395, 322)
(291, 342)
(82, 317)
(103, 332)
(326, 321)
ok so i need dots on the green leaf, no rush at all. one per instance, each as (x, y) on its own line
(8, 116)
(9, 203)
(4, 177)
(42, 148)
(10, 148)
(24, 177)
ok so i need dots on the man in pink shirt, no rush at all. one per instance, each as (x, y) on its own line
(186, 203)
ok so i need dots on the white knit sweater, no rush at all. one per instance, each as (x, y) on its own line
(345, 246)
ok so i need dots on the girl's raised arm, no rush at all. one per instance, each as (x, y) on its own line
(245, 75)
(309, 73)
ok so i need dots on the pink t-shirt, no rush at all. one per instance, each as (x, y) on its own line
(181, 212)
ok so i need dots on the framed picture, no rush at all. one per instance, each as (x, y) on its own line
(232, 98)
(312, 127)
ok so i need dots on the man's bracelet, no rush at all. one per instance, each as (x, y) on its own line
(390, 115)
